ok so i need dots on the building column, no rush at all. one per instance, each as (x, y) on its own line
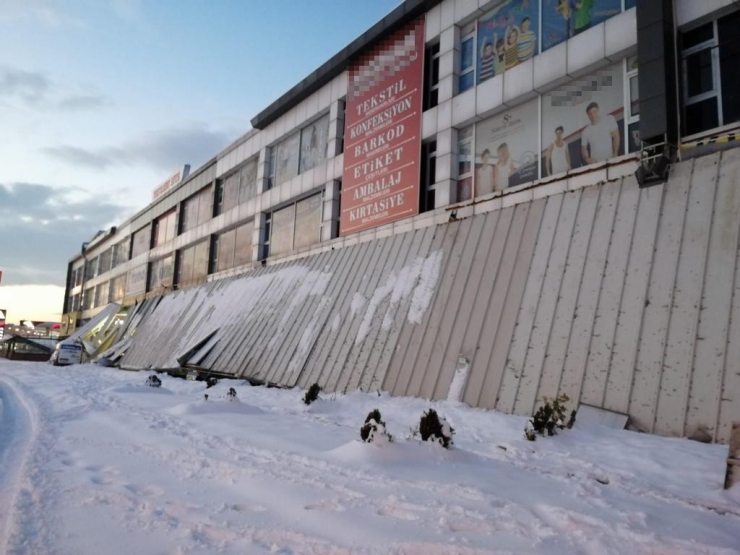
(258, 234)
(263, 170)
(446, 168)
(336, 129)
(330, 219)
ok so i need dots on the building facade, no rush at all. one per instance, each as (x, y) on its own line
(513, 124)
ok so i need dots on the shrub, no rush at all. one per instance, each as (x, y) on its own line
(231, 394)
(211, 381)
(432, 427)
(373, 431)
(550, 418)
(312, 394)
(153, 381)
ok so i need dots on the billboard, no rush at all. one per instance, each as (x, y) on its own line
(507, 36)
(382, 134)
(506, 149)
(583, 122)
(3, 312)
(564, 19)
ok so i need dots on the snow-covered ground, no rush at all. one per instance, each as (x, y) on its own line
(93, 462)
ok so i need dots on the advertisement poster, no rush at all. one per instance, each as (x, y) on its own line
(2, 322)
(506, 150)
(382, 134)
(507, 36)
(582, 123)
(564, 19)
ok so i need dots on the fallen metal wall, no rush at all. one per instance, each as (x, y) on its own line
(623, 298)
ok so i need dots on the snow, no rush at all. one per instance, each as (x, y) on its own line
(358, 302)
(92, 461)
(424, 291)
(459, 379)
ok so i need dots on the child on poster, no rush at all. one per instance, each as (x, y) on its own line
(503, 169)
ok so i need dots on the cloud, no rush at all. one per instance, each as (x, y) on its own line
(165, 150)
(42, 227)
(26, 85)
(35, 88)
(44, 11)
(80, 157)
(76, 103)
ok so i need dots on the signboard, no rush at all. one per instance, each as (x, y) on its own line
(382, 134)
(3, 312)
(171, 181)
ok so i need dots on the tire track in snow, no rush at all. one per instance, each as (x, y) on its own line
(17, 432)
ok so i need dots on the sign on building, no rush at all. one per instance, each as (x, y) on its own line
(3, 312)
(382, 135)
(171, 181)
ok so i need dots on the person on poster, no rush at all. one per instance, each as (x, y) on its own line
(526, 42)
(557, 155)
(488, 60)
(600, 139)
(503, 169)
(563, 8)
(512, 46)
(484, 177)
(582, 15)
(500, 61)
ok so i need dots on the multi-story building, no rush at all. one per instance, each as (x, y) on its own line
(512, 119)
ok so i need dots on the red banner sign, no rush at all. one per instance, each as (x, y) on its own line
(382, 133)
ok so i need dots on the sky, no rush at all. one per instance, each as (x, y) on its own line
(102, 100)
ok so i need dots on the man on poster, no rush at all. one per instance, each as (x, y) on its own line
(600, 139)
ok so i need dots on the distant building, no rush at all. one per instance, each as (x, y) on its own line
(534, 146)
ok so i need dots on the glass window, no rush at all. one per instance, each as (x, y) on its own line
(287, 154)
(465, 164)
(729, 66)
(200, 260)
(187, 257)
(307, 222)
(225, 258)
(505, 148)
(101, 294)
(118, 288)
(700, 68)
(160, 274)
(583, 122)
(205, 211)
(89, 299)
(248, 181)
(282, 230)
(136, 281)
(229, 193)
(431, 72)
(314, 140)
(243, 247)
(164, 228)
(141, 241)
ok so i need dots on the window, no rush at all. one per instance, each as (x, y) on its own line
(467, 58)
(302, 151)
(234, 247)
(141, 241)
(293, 227)
(632, 115)
(711, 75)
(428, 175)
(431, 76)
(104, 262)
(117, 288)
(192, 264)
(136, 281)
(164, 228)
(88, 299)
(227, 193)
(160, 274)
(196, 210)
(101, 294)
(465, 149)
(77, 276)
(314, 142)
(122, 251)
(248, 181)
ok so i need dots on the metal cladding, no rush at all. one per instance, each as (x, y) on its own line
(622, 298)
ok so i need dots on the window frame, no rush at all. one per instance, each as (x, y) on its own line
(472, 36)
(269, 228)
(716, 92)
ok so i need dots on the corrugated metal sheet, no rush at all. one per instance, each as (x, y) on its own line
(620, 297)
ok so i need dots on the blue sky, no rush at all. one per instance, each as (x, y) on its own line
(100, 100)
